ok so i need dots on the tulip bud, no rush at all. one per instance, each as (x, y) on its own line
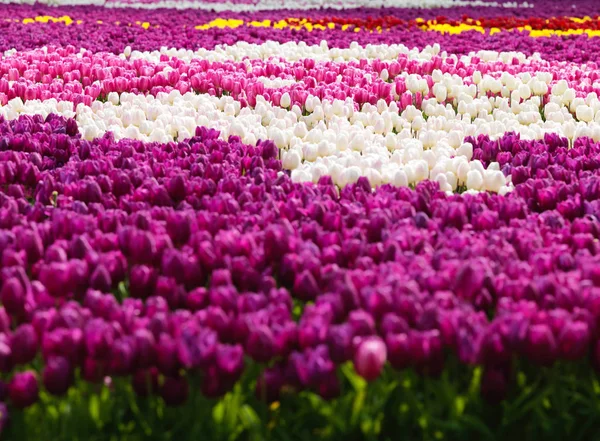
(12, 296)
(573, 342)
(23, 389)
(142, 281)
(57, 375)
(269, 384)
(93, 371)
(260, 344)
(174, 391)
(145, 382)
(100, 279)
(24, 343)
(370, 357)
(541, 345)
(339, 340)
(166, 355)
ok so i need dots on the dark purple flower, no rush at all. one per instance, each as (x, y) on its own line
(23, 389)
(142, 281)
(269, 384)
(12, 296)
(305, 286)
(260, 344)
(541, 345)
(100, 279)
(24, 343)
(145, 382)
(166, 355)
(174, 390)
(339, 340)
(399, 350)
(230, 360)
(57, 375)
(573, 341)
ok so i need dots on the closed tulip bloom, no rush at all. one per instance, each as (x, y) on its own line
(12, 296)
(573, 341)
(339, 340)
(370, 358)
(541, 345)
(399, 350)
(269, 384)
(23, 389)
(24, 343)
(145, 382)
(174, 390)
(166, 355)
(57, 375)
(260, 344)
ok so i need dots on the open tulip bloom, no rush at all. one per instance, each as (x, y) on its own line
(299, 219)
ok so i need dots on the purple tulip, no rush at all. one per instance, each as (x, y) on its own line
(166, 355)
(24, 343)
(361, 322)
(305, 286)
(23, 389)
(399, 350)
(196, 347)
(142, 281)
(57, 375)
(123, 356)
(541, 345)
(100, 279)
(99, 338)
(145, 382)
(174, 391)
(269, 384)
(260, 344)
(230, 360)
(93, 371)
(573, 341)
(145, 347)
(339, 340)
(370, 357)
(12, 296)
(63, 342)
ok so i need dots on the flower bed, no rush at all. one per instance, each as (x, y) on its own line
(255, 220)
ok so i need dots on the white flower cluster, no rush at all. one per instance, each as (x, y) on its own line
(292, 51)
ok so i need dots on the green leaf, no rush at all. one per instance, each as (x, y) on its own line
(249, 417)
(357, 382)
(94, 407)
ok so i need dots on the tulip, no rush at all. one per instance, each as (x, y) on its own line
(12, 296)
(24, 343)
(57, 375)
(573, 341)
(269, 384)
(23, 389)
(370, 358)
(260, 344)
(174, 391)
(145, 382)
(541, 345)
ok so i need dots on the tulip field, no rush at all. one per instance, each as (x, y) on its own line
(298, 220)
